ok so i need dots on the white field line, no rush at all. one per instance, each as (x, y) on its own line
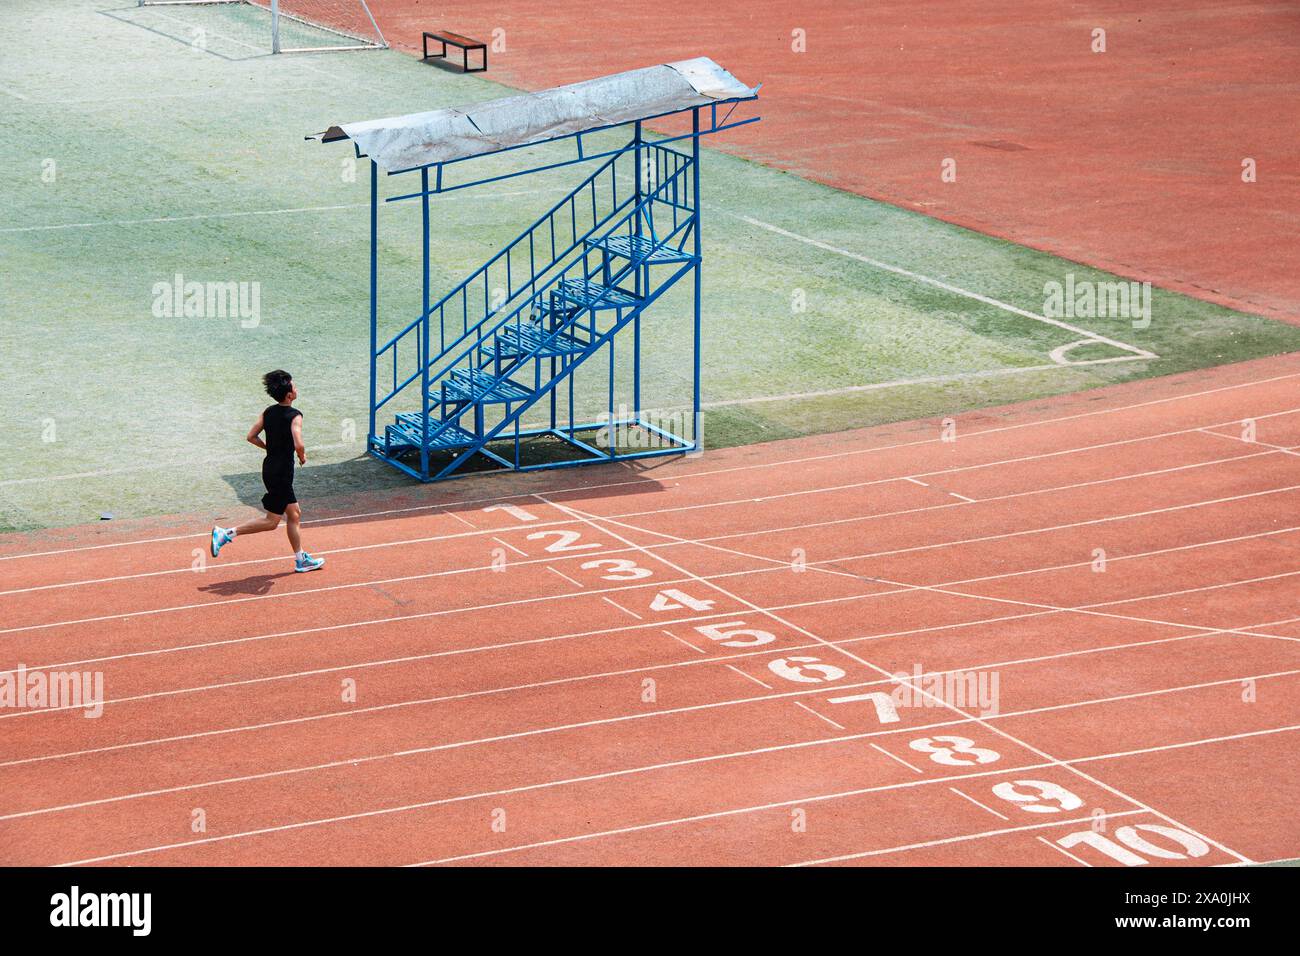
(151, 466)
(939, 701)
(196, 465)
(906, 785)
(1134, 350)
(920, 380)
(764, 464)
(195, 217)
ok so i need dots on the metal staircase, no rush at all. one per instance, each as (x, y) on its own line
(506, 344)
(538, 358)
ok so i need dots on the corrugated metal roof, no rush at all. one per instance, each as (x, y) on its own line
(439, 136)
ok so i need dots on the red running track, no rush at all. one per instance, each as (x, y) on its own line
(1069, 637)
(1129, 160)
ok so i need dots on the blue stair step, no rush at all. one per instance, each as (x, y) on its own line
(409, 432)
(588, 293)
(478, 385)
(516, 340)
(639, 249)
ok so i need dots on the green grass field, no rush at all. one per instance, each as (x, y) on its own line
(131, 156)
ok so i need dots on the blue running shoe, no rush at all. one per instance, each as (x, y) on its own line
(306, 562)
(220, 538)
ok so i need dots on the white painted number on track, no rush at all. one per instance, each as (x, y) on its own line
(1043, 791)
(519, 514)
(621, 569)
(563, 541)
(1193, 846)
(949, 755)
(886, 712)
(805, 670)
(675, 600)
(727, 632)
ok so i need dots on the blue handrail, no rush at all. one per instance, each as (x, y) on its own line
(546, 223)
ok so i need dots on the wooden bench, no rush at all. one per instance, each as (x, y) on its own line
(465, 44)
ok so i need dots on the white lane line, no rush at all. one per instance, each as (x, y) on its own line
(748, 676)
(967, 796)
(625, 772)
(799, 703)
(896, 758)
(618, 773)
(574, 581)
(939, 588)
(927, 694)
(966, 838)
(453, 537)
(622, 608)
(401, 542)
(1241, 441)
(189, 569)
(962, 497)
(871, 517)
(831, 567)
(538, 731)
(1060, 849)
(769, 464)
(506, 544)
(686, 642)
(948, 287)
(461, 518)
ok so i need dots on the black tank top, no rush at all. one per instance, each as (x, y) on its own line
(276, 422)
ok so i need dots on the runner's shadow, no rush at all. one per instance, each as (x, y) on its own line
(257, 584)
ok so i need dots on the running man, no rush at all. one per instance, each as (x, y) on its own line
(282, 424)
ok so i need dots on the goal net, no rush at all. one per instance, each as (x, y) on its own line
(283, 26)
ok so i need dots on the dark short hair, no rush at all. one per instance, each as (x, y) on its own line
(277, 383)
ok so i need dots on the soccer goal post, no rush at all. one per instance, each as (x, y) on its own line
(299, 26)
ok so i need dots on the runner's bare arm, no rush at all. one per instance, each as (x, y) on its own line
(298, 446)
(255, 432)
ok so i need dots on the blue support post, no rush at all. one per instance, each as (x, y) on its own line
(639, 286)
(374, 297)
(424, 336)
(695, 203)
